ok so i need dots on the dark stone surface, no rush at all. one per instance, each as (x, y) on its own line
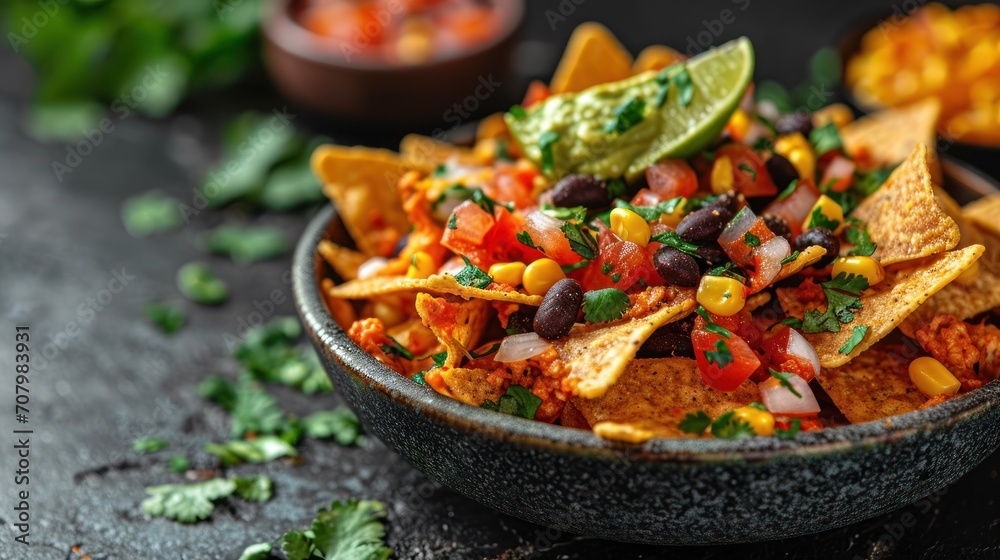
(118, 378)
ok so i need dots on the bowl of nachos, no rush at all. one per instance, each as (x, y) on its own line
(638, 308)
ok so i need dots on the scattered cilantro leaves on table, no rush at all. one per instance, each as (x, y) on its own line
(149, 213)
(602, 306)
(169, 318)
(199, 284)
(190, 503)
(178, 463)
(339, 424)
(517, 401)
(149, 445)
(261, 449)
(254, 488)
(271, 353)
(247, 244)
(348, 531)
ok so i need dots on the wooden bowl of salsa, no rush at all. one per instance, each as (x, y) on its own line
(400, 62)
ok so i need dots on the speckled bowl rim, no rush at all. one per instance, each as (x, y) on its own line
(281, 29)
(334, 342)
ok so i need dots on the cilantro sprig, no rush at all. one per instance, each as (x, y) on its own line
(825, 139)
(472, 276)
(581, 240)
(726, 426)
(602, 306)
(517, 401)
(857, 234)
(627, 115)
(843, 299)
(820, 220)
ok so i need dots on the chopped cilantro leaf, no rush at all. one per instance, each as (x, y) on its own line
(339, 424)
(545, 143)
(260, 449)
(149, 445)
(792, 430)
(420, 378)
(187, 503)
(847, 200)
(440, 170)
(491, 350)
(472, 275)
(351, 531)
(746, 168)
(581, 241)
(627, 115)
(857, 234)
(601, 306)
(616, 277)
(453, 221)
(616, 188)
(764, 143)
(857, 335)
(475, 194)
(867, 183)
(728, 426)
(258, 551)
(695, 422)
(722, 356)
(675, 76)
(791, 257)
(751, 240)
(518, 112)
(439, 359)
(685, 89)
(606, 268)
(825, 138)
(254, 488)
(502, 154)
(842, 297)
(567, 268)
(788, 190)
(652, 213)
(784, 377)
(674, 240)
(517, 401)
(793, 322)
(757, 405)
(524, 238)
(819, 219)
(718, 329)
(169, 318)
(178, 463)
(577, 213)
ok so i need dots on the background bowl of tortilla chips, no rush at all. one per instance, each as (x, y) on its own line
(666, 491)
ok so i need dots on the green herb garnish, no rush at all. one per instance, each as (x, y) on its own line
(627, 115)
(602, 306)
(517, 401)
(842, 297)
(472, 276)
(784, 378)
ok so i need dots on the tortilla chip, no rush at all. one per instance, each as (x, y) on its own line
(438, 284)
(886, 305)
(470, 385)
(593, 56)
(985, 212)
(756, 301)
(903, 217)
(887, 137)
(456, 324)
(491, 127)
(807, 257)
(345, 262)
(595, 356)
(964, 298)
(362, 183)
(874, 385)
(341, 310)
(655, 57)
(425, 153)
(653, 396)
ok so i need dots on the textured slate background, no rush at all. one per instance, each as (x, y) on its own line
(119, 378)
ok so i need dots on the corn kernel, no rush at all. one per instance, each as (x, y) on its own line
(837, 113)
(868, 267)
(738, 125)
(540, 275)
(761, 421)
(829, 208)
(799, 152)
(722, 175)
(969, 276)
(422, 265)
(721, 295)
(932, 378)
(390, 315)
(630, 226)
(671, 220)
(508, 273)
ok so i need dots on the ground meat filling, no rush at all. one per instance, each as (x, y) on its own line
(969, 351)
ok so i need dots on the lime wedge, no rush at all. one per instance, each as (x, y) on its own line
(621, 128)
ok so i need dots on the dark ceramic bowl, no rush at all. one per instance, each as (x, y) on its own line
(983, 156)
(320, 77)
(666, 491)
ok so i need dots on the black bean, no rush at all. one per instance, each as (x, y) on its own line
(799, 121)
(401, 244)
(778, 226)
(730, 201)
(705, 224)
(712, 255)
(559, 308)
(522, 320)
(781, 170)
(676, 267)
(579, 190)
(673, 340)
(822, 237)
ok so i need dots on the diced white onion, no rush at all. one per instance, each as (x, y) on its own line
(756, 132)
(769, 256)
(839, 168)
(799, 346)
(371, 267)
(738, 226)
(517, 347)
(779, 400)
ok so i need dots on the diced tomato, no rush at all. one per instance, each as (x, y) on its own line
(750, 175)
(514, 183)
(537, 92)
(806, 424)
(646, 197)
(502, 239)
(671, 178)
(775, 346)
(472, 224)
(546, 232)
(796, 206)
(619, 260)
(729, 377)
(839, 174)
(739, 250)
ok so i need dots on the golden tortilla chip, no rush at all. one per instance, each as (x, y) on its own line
(653, 396)
(491, 127)
(985, 212)
(890, 135)
(874, 385)
(425, 153)
(655, 57)
(595, 356)
(457, 325)
(903, 217)
(341, 310)
(887, 304)
(345, 262)
(470, 385)
(756, 301)
(438, 284)
(593, 56)
(975, 291)
(807, 257)
(362, 183)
